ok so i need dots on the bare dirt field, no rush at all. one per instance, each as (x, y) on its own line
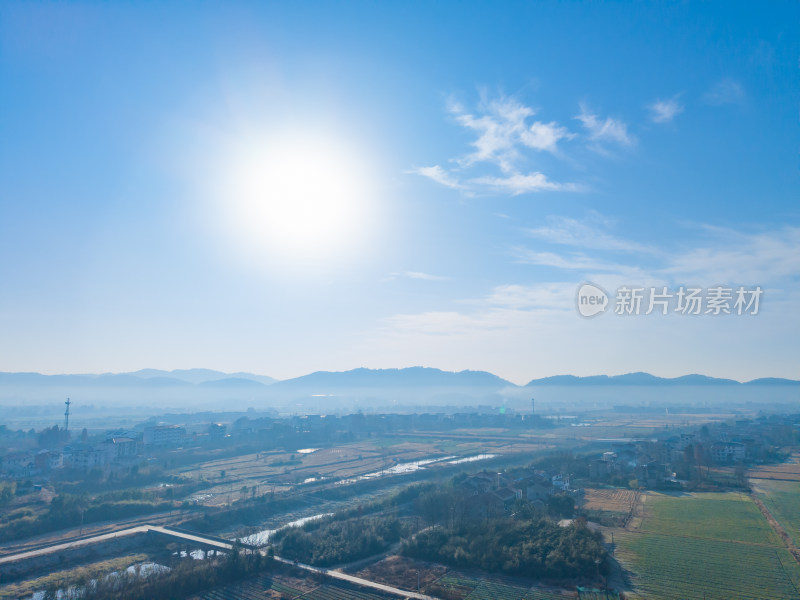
(612, 500)
(401, 572)
(788, 471)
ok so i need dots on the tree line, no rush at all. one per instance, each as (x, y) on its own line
(532, 546)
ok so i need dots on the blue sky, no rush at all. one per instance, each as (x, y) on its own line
(290, 187)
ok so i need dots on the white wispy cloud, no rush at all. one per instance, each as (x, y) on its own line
(505, 308)
(723, 256)
(424, 276)
(590, 233)
(663, 111)
(507, 140)
(608, 130)
(539, 322)
(724, 91)
(439, 175)
(415, 275)
(503, 131)
(587, 266)
(518, 183)
(737, 257)
(548, 295)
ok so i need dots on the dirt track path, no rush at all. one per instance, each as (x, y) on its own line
(787, 539)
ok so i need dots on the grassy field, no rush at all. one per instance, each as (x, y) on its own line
(782, 499)
(712, 546)
(730, 517)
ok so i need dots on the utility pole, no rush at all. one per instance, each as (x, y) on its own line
(66, 415)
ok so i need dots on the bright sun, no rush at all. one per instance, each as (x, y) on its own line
(298, 198)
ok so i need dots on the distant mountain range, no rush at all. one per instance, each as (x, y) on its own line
(356, 378)
(200, 375)
(648, 379)
(327, 390)
(146, 378)
(410, 377)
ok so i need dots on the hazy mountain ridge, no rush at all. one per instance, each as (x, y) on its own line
(407, 377)
(360, 377)
(648, 379)
(324, 391)
(196, 376)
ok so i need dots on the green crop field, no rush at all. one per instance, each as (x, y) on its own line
(706, 546)
(334, 591)
(782, 499)
(730, 516)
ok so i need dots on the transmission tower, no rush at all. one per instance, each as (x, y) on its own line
(66, 415)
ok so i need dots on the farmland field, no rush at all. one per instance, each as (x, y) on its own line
(264, 472)
(713, 546)
(611, 500)
(782, 499)
(788, 471)
(731, 517)
(466, 587)
(279, 586)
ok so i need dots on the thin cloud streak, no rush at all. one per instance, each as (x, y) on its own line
(664, 111)
(608, 130)
(439, 175)
(518, 183)
(571, 232)
(724, 91)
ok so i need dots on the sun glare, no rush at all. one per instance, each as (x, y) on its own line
(298, 198)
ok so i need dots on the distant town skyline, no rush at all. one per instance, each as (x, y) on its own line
(282, 188)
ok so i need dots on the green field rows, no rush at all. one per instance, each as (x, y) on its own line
(252, 589)
(730, 516)
(782, 499)
(488, 590)
(335, 592)
(712, 546)
(669, 567)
